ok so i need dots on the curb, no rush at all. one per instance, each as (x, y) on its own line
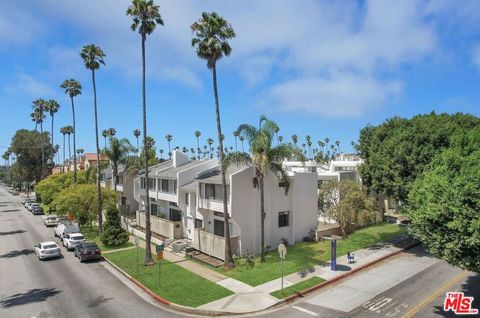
(333, 280)
(165, 303)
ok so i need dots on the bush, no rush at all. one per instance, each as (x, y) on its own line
(249, 258)
(114, 234)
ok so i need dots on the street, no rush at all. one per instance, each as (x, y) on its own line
(411, 284)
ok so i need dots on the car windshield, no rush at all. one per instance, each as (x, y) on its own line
(47, 246)
(91, 247)
(77, 238)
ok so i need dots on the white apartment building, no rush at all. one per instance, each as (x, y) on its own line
(127, 205)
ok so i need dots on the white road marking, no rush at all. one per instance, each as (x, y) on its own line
(305, 311)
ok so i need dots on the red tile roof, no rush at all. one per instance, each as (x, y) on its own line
(93, 157)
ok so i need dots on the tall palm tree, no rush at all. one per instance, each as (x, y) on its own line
(280, 139)
(73, 89)
(210, 143)
(169, 139)
(235, 135)
(197, 135)
(63, 131)
(264, 158)
(69, 131)
(309, 144)
(294, 139)
(118, 151)
(105, 135)
(210, 38)
(337, 143)
(39, 106)
(137, 133)
(145, 17)
(93, 56)
(326, 142)
(205, 151)
(52, 107)
(322, 145)
(241, 140)
(111, 132)
(161, 153)
(276, 134)
(80, 151)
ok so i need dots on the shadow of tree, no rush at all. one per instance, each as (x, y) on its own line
(16, 253)
(32, 296)
(98, 301)
(12, 232)
(12, 210)
(471, 287)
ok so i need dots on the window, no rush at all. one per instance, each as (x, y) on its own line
(167, 186)
(119, 180)
(142, 182)
(213, 191)
(151, 184)
(175, 215)
(198, 223)
(186, 199)
(154, 209)
(124, 200)
(219, 228)
(282, 184)
(283, 218)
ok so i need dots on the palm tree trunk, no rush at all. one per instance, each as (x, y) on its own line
(242, 146)
(115, 173)
(104, 142)
(228, 263)
(53, 145)
(198, 149)
(99, 189)
(236, 143)
(69, 152)
(262, 219)
(148, 231)
(74, 144)
(43, 153)
(169, 151)
(63, 164)
(138, 147)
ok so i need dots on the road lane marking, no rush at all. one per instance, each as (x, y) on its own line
(305, 311)
(439, 291)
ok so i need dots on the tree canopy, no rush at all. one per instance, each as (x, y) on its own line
(397, 151)
(49, 187)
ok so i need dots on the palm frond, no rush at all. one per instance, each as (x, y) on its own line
(236, 157)
(278, 170)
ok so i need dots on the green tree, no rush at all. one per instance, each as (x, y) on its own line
(294, 139)
(197, 135)
(210, 38)
(265, 158)
(348, 203)
(136, 134)
(68, 131)
(235, 135)
(114, 234)
(210, 143)
(444, 203)
(63, 131)
(105, 135)
(145, 17)
(52, 108)
(93, 56)
(50, 186)
(397, 151)
(118, 151)
(73, 89)
(169, 138)
(39, 106)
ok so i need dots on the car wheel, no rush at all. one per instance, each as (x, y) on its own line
(81, 259)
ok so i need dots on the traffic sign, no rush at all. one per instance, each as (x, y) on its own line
(159, 248)
(159, 255)
(282, 250)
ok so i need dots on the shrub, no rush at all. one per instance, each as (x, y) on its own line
(249, 258)
(114, 234)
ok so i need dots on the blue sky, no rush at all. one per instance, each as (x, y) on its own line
(323, 68)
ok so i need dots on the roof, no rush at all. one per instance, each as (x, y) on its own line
(157, 167)
(93, 157)
(189, 187)
(214, 175)
(171, 173)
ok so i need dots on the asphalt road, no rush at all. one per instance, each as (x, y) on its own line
(58, 287)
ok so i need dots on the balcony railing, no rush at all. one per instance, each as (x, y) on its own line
(212, 244)
(163, 227)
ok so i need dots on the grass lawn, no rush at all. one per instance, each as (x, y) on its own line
(298, 287)
(178, 285)
(305, 254)
(91, 234)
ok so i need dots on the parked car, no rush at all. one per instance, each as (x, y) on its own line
(15, 192)
(87, 251)
(47, 250)
(65, 227)
(70, 240)
(37, 210)
(50, 220)
(31, 205)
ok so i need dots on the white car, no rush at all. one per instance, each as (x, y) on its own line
(47, 250)
(31, 205)
(50, 220)
(70, 240)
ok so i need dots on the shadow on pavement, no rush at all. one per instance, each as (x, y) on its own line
(98, 301)
(13, 210)
(17, 253)
(32, 296)
(471, 288)
(11, 232)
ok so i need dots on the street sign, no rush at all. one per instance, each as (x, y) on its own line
(159, 248)
(136, 239)
(159, 255)
(282, 250)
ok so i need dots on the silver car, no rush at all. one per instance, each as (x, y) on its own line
(51, 220)
(70, 240)
(48, 249)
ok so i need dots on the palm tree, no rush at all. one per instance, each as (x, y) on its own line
(161, 153)
(69, 131)
(145, 17)
(93, 56)
(309, 144)
(322, 145)
(241, 140)
(326, 142)
(169, 139)
(111, 132)
(280, 139)
(117, 152)
(80, 151)
(210, 143)
(236, 134)
(104, 135)
(73, 89)
(276, 134)
(137, 133)
(295, 139)
(197, 134)
(211, 35)
(337, 143)
(52, 107)
(63, 131)
(39, 106)
(264, 158)
(205, 151)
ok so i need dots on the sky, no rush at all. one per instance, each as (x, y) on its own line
(318, 68)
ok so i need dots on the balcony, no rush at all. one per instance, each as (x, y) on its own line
(160, 226)
(212, 244)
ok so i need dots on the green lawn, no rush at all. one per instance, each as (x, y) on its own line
(178, 285)
(298, 287)
(305, 254)
(91, 234)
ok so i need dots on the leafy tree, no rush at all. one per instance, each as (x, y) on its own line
(49, 187)
(114, 234)
(81, 201)
(210, 38)
(444, 203)
(93, 56)
(347, 202)
(397, 151)
(265, 158)
(73, 89)
(117, 152)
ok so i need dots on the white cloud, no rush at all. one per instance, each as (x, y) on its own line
(341, 95)
(26, 85)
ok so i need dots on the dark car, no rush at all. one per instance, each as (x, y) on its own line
(87, 251)
(37, 210)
